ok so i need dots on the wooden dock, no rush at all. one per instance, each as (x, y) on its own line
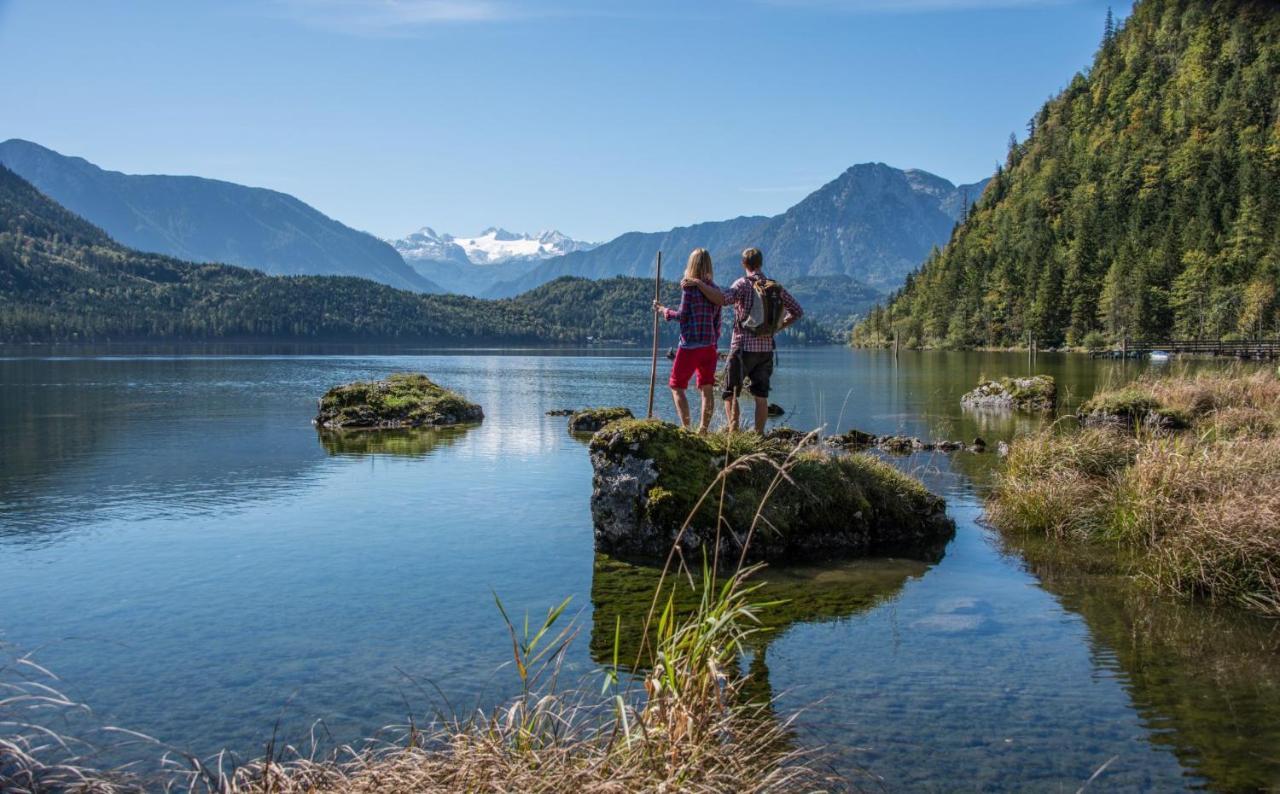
(1245, 349)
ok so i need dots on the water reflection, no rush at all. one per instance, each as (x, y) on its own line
(225, 553)
(621, 594)
(411, 443)
(1205, 681)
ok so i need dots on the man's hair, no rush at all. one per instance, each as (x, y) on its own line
(753, 259)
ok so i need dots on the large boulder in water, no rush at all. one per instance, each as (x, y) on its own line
(649, 475)
(1034, 393)
(405, 399)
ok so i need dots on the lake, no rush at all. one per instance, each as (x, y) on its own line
(195, 562)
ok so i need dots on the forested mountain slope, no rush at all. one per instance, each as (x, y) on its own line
(207, 220)
(1145, 203)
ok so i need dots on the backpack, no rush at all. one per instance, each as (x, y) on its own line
(767, 309)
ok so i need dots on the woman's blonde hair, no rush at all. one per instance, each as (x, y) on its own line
(699, 266)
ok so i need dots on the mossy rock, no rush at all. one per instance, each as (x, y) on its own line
(649, 476)
(405, 399)
(1130, 408)
(589, 420)
(1034, 393)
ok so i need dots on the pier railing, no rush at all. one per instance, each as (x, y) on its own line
(1236, 348)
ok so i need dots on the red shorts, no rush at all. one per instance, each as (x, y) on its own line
(701, 360)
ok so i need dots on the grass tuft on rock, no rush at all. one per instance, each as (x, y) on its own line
(401, 400)
(1198, 502)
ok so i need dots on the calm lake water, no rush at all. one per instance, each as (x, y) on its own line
(197, 563)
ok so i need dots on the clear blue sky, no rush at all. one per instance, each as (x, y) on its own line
(591, 116)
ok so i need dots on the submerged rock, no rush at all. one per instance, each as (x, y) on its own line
(896, 445)
(648, 477)
(787, 435)
(589, 420)
(560, 412)
(1035, 393)
(406, 399)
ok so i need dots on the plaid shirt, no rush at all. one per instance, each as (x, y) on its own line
(699, 319)
(740, 295)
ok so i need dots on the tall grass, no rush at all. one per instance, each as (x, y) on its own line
(681, 723)
(1200, 505)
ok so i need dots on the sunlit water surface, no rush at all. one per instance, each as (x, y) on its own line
(197, 563)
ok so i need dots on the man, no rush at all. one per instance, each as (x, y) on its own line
(751, 351)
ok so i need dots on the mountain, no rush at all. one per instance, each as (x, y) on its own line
(206, 220)
(63, 279)
(1144, 203)
(471, 265)
(873, 223)
(632, 254)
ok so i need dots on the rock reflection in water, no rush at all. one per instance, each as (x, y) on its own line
(412, 443)
(621, 594)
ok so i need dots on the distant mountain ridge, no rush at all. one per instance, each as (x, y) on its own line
(874, 223)
(492, 246)
(64, 279)
(207, 220)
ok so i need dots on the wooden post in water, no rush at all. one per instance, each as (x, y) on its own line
(895, 343)
(653, 366)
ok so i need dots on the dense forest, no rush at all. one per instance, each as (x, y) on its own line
(63, 279)
(1144, 202)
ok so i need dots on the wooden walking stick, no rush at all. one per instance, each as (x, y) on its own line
(653, 368)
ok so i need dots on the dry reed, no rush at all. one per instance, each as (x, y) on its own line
(1200, 505)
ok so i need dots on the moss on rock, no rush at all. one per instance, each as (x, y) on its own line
(404, 399)
(649, 476)
(589, 420)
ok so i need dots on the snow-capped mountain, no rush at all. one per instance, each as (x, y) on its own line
(493, 246)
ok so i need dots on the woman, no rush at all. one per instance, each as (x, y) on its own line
(699, 331)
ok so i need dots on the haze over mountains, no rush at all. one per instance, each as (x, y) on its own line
(207, 220)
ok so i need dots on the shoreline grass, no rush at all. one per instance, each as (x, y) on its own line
(1197, 500)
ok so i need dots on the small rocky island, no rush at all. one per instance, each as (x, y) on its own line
(403, 400)
(589, 420)
(1034, 393)
(649, 475)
